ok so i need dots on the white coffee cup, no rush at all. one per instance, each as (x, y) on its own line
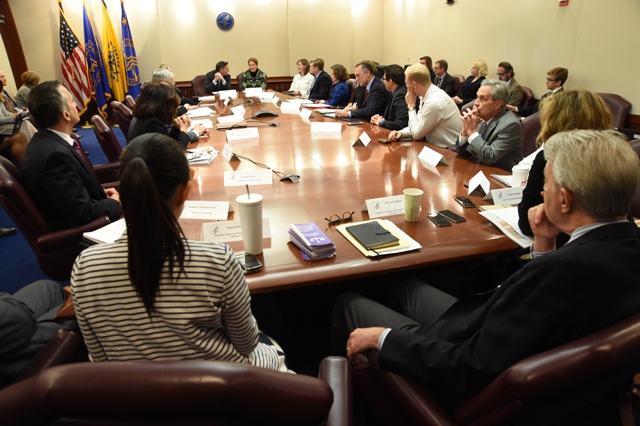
(520, 174)
(250, 209)
(412, 200)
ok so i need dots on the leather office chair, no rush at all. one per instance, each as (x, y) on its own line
(197, 84)
(106, 138)
(530, 129)
(459, 79)
(123, 116)
(173, 392)
(239, 80)
(352, 85)
(549, 385)
(527, 98)
(55, 251)
(635, 202)
(129, 102)
(619, 108)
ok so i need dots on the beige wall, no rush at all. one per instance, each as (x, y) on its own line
(593, 38)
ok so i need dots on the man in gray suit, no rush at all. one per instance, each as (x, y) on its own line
(497, 139)
(506, 73)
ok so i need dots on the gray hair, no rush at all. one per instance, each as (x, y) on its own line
(598, 167)
(161, 74)
(499, 90)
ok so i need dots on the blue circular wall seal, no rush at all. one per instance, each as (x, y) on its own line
(225, 21)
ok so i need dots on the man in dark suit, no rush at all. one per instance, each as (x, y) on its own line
(58, 180)
(218, 79)
(396, 115)
(506, 73)
(321, 85)
(443, 79)
(491, 133)
(556, 77)
(557, 297)
(376, 95)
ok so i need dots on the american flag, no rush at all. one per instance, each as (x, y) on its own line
(74, 64)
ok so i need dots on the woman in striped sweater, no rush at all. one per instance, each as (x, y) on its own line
(153, 294)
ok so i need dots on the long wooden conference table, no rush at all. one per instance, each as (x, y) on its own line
(336, 178)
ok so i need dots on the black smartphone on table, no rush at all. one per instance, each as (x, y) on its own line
(354, 123)
(453, 217)
(438, 219)
(249, 263)
(464, 202)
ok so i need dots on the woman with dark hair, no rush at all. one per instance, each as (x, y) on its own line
(153, 294)
(155, 112)
(303, 79)
(254, 77)
(339, 96)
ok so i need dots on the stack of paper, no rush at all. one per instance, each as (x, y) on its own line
(313, 243)
(107, 234)
(203, 155)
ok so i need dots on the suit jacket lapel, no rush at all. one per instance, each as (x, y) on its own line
(66, 145)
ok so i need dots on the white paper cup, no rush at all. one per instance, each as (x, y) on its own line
(412, 200)
(520, 174)
(250, 210)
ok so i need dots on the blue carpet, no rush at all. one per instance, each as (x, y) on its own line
(19, 265)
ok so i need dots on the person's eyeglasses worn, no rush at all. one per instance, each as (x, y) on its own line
(550, 80)
(335, 219)
(500, 74)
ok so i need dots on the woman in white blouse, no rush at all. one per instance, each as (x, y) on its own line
(302, 81)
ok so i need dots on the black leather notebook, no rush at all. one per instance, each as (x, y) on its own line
(372, 235)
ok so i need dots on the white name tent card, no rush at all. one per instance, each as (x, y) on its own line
(290, 108)
(224, 232)
(479, 180)
(362, 140)
(248, 177)
(266, 95)
(305, 113)
(207, 98)
(248, 133)
(324, 127)
(230, 119)
(275, 100)
(506, 195)
(226, 94)
(250, 92)
(201, 112)
(207, 210)
(385, 206)
(238, 110)
(227, 153)
(432, 157)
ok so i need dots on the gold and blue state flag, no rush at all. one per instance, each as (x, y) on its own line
(130, 58)
(97, 71)
(113, 57)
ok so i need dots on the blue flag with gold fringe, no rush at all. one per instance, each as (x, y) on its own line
(130, 58)
(97, 72)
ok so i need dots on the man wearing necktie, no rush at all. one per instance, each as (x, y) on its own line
(376, 95)
(497, 140)
(556, 77)
(443, 79)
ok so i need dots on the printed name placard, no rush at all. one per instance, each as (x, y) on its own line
(479, 180)
(250, 92)
(208, 210)
(226, 94)
(224, 232)
(305, 113)
(227, 153)
(290, 108)
(363, 140)
(248, 177)
(385, 206)
(506, 195)
(238, 110)
(248, 133)
(230, 119)
(432, 157)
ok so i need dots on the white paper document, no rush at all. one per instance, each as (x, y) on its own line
(385, 206)
(507, 221)
(200, 112)
(207, 210)
(108, 233)
(506, 179)
(202, 155)
(206, 123)
(406, 243)
(224, 232)
(248, 177)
